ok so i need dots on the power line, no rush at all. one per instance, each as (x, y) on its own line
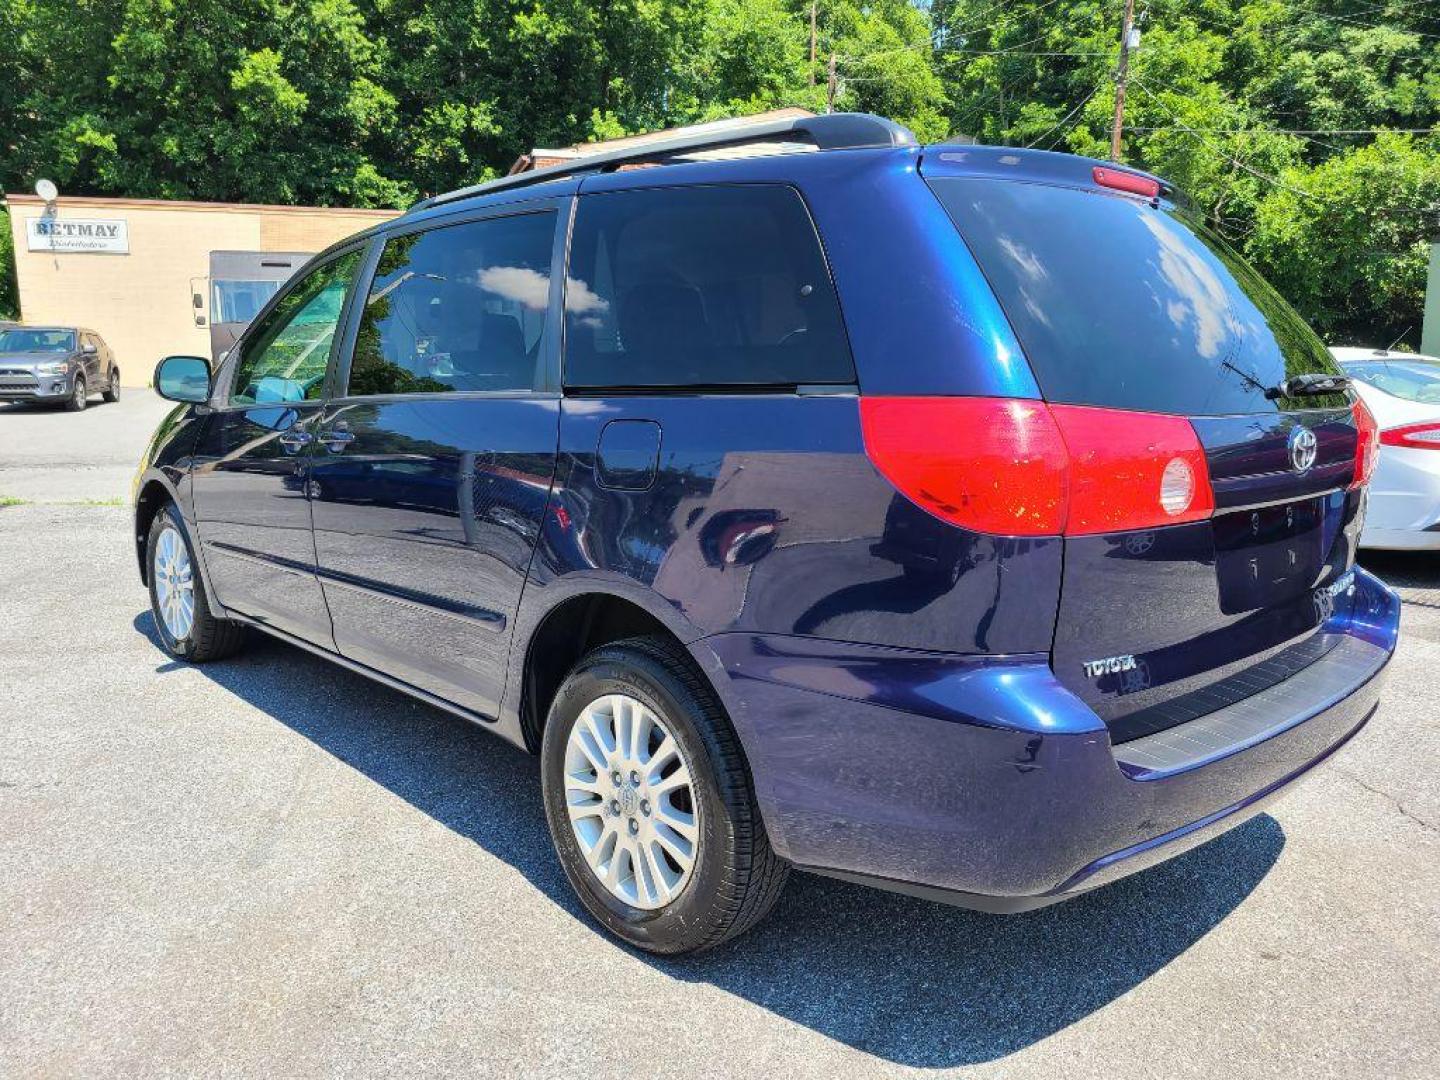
(1387, 9)
(1305, 17)
(1307, 135)
(941, 54)
(1276, 181)
(1310, 13)
(982, 18)
(1013, 52)
(1064, 121)
(1295, 131)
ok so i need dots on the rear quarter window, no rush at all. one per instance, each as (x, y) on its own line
(1123, 304)
(700, 286)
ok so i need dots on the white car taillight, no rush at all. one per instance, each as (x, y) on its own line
(1424, 436)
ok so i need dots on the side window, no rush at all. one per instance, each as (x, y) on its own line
(460, 307)
(700, 286)
(285, 356)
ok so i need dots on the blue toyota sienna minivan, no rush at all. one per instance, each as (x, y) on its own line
(960, 520)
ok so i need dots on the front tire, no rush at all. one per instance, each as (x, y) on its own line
(650, 802)
(79, 396)
(178, 603)
(112, 391)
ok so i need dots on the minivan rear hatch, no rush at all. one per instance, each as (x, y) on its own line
(1125, 302)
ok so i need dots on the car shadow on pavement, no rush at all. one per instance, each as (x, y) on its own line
(908, 981)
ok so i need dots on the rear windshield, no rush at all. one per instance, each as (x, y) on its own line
(1121, 304)
(1413, 380)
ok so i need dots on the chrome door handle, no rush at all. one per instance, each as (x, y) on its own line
(293, 441)
(336, 441)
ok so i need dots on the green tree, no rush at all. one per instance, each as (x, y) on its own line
(1348, 241)
(265, 100)
(1264, 112)
(9, 289)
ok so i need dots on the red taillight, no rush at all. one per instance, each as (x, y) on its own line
(1419, 436)
(1132, 470)
(994, 465)
(1126, 181)
(1367, 443)
(1024, 468)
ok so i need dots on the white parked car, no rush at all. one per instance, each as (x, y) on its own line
(1403, 391)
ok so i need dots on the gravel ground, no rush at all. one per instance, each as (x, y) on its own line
(50, 455)
(273, 867)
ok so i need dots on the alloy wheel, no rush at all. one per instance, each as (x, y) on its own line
(174, 584)
(631, 801)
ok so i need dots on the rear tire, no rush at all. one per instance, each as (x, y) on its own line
(112, 392)
(731, 877)
(79, 396)
(188, 630)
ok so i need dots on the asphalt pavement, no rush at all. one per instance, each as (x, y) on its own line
(272, 867)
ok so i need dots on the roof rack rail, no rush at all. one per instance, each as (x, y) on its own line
(829, 131)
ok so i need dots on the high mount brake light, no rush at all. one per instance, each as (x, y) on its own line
(1024, 468)
(1419, 436)
(1120, 180)
(1367, 443)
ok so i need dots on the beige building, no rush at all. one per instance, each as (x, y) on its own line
(138, 271)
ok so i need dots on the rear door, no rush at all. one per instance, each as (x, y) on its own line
(431, 472)
(92, 361)
(1125, 303)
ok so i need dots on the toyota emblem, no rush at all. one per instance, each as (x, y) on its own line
(1302, 448)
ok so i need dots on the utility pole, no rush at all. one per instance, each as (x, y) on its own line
(812, 42)
(1121, 71)
(830, 90)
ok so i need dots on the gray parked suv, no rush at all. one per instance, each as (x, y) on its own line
(58, 364)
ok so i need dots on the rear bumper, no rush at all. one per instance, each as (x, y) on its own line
(983, 781)
(1375, 539)
(1403, 509)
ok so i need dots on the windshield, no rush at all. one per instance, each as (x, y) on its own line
(37, 341)
(1413, 380)
(1122, 304)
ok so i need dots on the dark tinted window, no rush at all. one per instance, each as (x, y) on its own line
(285, 356)
(702, 286)
(457, 308)
(1120, 304)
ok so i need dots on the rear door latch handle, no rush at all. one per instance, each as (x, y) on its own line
(336, 441)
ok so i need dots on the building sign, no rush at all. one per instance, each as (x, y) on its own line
(109, 236)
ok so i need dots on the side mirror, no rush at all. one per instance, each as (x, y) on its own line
(89, 348)
(183, 378)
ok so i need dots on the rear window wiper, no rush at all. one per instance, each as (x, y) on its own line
(1309, 385)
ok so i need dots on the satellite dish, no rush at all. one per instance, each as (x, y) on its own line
(47, 190)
